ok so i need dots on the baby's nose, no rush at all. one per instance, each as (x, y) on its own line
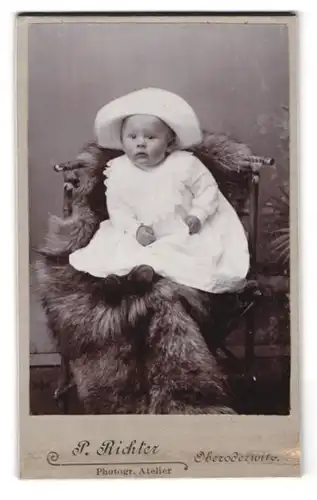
(141, 142)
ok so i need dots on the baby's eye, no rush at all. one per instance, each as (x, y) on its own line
(132, 136)
(151, 137)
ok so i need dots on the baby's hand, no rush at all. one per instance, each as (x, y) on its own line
(193, 223)
(145, 235)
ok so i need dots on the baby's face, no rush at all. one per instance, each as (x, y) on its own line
(145, 140)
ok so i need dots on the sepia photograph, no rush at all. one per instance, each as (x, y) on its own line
(157, 245)
(159, 218)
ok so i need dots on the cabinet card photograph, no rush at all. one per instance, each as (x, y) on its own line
(157, 171)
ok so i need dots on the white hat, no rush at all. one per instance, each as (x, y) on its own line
(169, 107)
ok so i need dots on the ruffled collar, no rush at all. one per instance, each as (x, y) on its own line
(176, 161)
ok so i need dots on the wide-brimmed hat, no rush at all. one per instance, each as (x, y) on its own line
(169, 107)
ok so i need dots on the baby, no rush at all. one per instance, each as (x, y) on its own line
(147, 141)
(165, 208)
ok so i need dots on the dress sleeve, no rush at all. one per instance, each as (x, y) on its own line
(205, 191)
(120, 213)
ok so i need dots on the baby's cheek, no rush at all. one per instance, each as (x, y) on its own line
(159, 151)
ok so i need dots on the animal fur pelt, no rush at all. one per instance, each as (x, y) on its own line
(132, 348)
(137, 351)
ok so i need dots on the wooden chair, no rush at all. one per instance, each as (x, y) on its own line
(249, 296)
(247, 299)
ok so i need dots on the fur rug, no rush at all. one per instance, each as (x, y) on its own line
(136, 348)
(139, 351)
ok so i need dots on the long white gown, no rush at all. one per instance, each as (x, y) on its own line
(215, 260)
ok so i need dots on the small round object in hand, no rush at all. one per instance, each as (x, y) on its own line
(145, 235)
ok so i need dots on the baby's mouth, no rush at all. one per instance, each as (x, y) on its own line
(141, 155)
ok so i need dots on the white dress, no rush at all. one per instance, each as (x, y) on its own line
(214, 260)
